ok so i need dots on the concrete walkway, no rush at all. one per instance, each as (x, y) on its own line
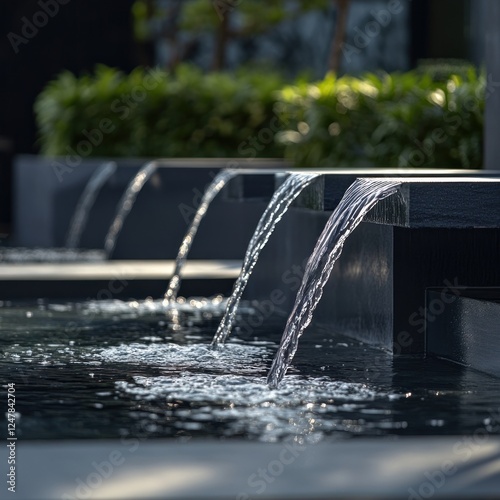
(407, 468)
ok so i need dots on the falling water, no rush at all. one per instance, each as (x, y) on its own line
(220, 180)
(279, 204)
(86, 202)
(360, 197)
(126, 203)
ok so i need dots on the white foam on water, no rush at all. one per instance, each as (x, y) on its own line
(174, 357)
(147, 306)
(200, 308)
(301, 407)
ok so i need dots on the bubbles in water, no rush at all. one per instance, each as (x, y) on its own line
(300, 407)
(153, 380)
(196, 306)
(174, 357)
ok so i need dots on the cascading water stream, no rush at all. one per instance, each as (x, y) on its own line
(211, 192)
(358, 200)
(126, 203)
(279, 204)
(86, 202)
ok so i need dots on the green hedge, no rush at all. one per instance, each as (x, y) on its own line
(156, 114)
(398, 120)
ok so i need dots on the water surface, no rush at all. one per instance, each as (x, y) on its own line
(116, 369)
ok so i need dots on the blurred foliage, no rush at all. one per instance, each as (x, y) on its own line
(182, 23)
(441, 69)
(253, 17)
(154, 113)
(141, 20)
(398, 120)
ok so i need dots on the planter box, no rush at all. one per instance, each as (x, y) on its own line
(46, 197)
(438, 232)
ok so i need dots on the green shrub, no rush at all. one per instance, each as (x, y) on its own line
(157, 114)
(398, 120)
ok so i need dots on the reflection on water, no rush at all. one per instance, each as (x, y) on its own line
(115, 369)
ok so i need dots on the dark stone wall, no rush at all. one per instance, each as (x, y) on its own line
(377, 290)
(358, 298)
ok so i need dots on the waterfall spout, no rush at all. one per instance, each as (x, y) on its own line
(211, 192)
(279, 204)
(359, 199)
(126, 203)
(86, 202)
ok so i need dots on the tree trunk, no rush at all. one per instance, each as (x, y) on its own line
(222, 37)
(340, 31)
(172, 35)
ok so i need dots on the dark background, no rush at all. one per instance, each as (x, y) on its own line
(82, 34)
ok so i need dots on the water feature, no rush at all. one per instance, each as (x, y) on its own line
(279, 204)
(112, 369)
(215, 187)
(358, 200)
(126, 203)
(86, 202)
(97, 370)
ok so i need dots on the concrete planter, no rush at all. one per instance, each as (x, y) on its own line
(440, 231)
(437, 232)
(46, 193)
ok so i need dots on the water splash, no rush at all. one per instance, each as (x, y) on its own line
(358, 200)
(215, 187)
(175, 358)
(126, 203)
(86, 202)
(279, 204)
(305, 408)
